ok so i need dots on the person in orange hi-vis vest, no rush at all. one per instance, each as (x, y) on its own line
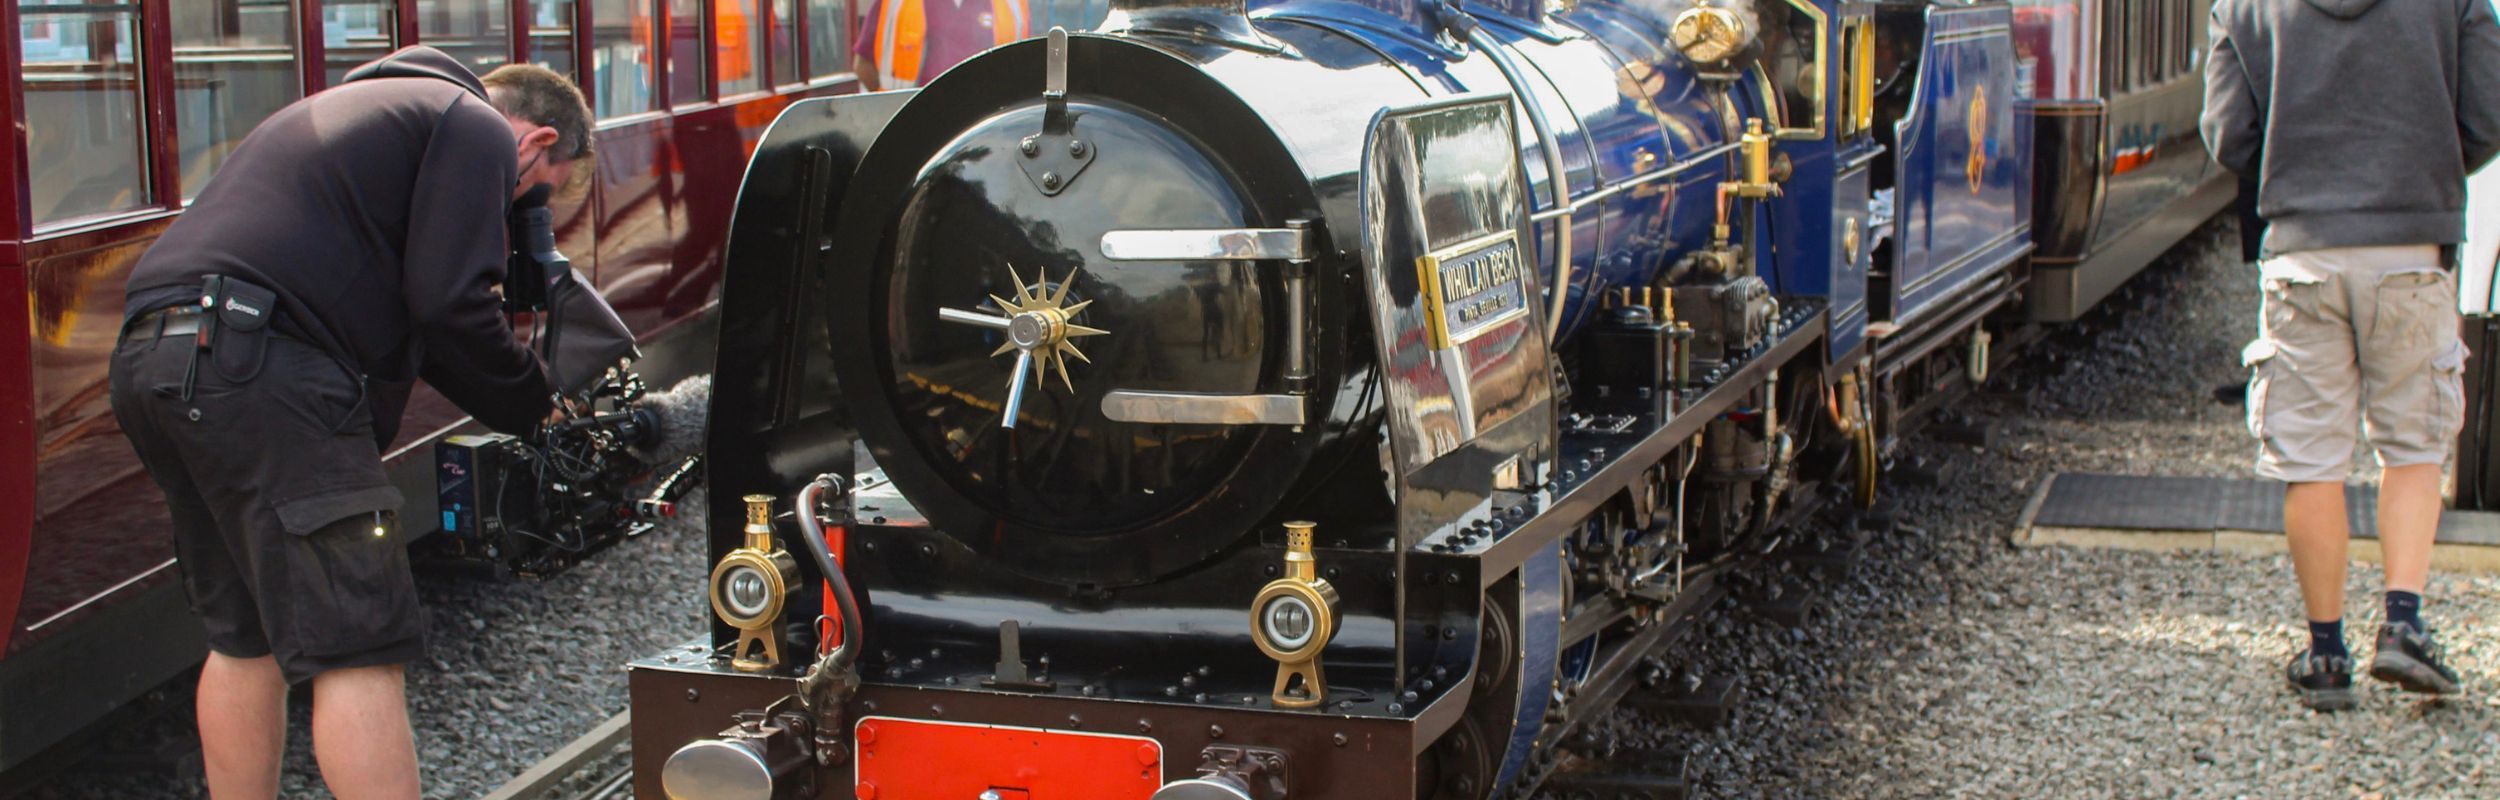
(904, 42)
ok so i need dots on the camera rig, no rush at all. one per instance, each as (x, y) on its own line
(534, 505)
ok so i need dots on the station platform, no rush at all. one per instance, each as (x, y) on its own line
(2244, 515)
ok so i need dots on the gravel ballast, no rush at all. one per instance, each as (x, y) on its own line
(1953, 664)
(514, 670)
(1949, 664)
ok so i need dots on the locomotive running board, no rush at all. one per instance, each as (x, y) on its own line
(1803, 323)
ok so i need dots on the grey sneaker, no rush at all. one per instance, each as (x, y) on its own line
(2408, 658)
(2324, 682)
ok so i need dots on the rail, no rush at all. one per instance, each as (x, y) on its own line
(552, 776)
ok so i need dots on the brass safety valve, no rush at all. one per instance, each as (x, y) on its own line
(1293, 617)
(750, 586)
(1757, 182)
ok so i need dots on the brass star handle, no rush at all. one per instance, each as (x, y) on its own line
(1038, 330)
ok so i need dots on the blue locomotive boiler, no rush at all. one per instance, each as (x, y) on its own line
(1315, 398)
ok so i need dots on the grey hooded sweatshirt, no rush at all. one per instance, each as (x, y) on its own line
(2359, 118)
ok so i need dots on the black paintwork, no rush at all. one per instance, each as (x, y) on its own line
(942, 213)
(776, 419)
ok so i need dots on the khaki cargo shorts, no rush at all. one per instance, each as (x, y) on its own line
(2355, 337)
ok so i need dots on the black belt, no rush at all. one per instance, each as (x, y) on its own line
(182, 320)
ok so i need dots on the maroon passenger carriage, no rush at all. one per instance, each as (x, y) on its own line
(122, 109)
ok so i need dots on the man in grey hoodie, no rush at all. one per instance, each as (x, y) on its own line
(2360, 120)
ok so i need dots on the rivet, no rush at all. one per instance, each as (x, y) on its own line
(936, 710)
(693, 695)
(1215, 731)
(1050, 180)
(1145, 726)
(195, 415)
(1032, 146)
(1338, 738)
(1075, 721)
(1077, 148)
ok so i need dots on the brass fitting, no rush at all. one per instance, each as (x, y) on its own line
(1292, 620)
(750, 586)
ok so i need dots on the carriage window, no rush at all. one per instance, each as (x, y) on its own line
(234, 65)
(687, 82)
(1793, 54)
(621, 56)
(2060, 38)
(84, 138)
(788, 48)
(2122, 50)
(2188, 36)
(354, 32)
(551, 36)
(2149, 49)
(469, 30)
(828, 37)
(740, 38)
(1848, 78)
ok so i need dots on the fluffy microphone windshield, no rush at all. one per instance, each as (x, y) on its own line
(681, 411)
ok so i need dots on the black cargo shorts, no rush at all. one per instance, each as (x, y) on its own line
(284, 525)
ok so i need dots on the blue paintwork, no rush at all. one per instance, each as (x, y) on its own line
(1540, 642)
(1620, 103)
(1960, 218)
(1610, 93)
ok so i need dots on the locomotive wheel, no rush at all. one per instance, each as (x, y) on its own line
(1458, 767)
(1492, 668)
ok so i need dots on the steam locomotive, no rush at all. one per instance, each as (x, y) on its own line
(1323, 399)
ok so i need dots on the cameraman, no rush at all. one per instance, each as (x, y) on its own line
(353, 244)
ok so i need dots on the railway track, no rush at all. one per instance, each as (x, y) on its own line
(592, 767)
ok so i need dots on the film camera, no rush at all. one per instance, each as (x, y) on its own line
(534, 505)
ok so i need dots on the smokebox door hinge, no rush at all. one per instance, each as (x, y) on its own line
(1054, 157)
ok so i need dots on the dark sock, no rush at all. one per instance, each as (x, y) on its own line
(2404, 607)
(2327, 638)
